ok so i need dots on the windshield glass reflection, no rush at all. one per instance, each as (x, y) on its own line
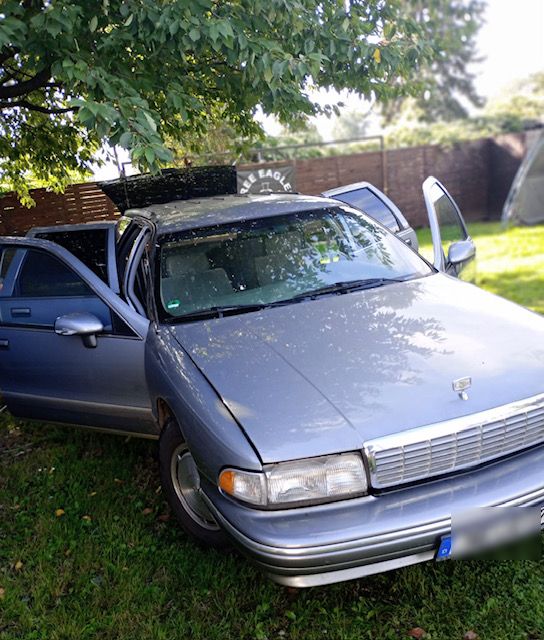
(276, 259)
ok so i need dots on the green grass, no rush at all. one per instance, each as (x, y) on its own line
(129, 572)
(510, 262)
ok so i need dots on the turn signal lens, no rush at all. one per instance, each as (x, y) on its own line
(301, 482)
(243, 485)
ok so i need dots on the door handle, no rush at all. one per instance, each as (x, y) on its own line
(20, 312)
(4, 344)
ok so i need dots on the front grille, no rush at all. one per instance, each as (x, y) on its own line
(457, 444)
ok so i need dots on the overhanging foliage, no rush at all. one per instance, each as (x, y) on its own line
(75, 74)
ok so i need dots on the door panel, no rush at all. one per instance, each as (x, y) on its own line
(449, 232)
(57, 378)
(45, 376)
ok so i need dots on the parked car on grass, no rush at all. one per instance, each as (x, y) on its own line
(323, 397)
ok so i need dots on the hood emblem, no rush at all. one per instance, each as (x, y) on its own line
(461, 385)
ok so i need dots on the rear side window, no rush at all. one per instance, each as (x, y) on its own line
(367, 201)
(88, 245)
(43, 276)
(6, 258)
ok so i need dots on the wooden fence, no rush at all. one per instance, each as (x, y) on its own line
(478, 174)
(79, 203)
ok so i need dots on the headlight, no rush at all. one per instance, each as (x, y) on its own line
(300, 482)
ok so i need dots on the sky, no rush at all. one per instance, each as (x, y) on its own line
(511, 43)
(512, 40)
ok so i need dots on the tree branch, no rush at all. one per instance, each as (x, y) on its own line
(35, 107)
(27, 86)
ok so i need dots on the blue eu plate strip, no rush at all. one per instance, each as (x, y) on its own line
(444, 550)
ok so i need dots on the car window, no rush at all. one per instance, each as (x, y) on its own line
(44, 276)
(272, 259)
(6, 259)
(36, 288)
(451, 226)
(367, 201)
(88, 245)
(140, 283)
(127, 234)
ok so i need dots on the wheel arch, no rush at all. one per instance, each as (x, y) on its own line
(164, 414)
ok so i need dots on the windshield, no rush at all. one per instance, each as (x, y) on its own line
(277, 259)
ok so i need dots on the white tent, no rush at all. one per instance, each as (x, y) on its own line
(525, 202)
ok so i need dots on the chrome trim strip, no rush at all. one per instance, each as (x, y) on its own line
(428, 433)
(341, 575)
(303, 566)
(69, 404)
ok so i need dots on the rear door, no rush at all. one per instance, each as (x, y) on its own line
(454, 249)
(369, 199)
(61, 378)
(92, 242)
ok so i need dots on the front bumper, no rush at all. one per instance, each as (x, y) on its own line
(339, 541)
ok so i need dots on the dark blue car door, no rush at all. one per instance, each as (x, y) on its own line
(59, 378)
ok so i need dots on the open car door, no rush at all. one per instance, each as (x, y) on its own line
(91, 242)
(454, 251)
(71, 349)
(370, 200)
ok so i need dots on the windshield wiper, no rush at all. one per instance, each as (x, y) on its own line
(218, 312)
(343, 287)
(337, 287)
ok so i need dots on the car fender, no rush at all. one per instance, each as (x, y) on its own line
(214, 437)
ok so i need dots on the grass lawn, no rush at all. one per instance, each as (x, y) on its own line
(510, 263)
(112, 564)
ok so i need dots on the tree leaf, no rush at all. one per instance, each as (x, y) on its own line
(194, 34)
(125, 140)
(151, 123)
(149, 155)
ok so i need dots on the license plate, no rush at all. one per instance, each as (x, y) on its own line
(444, 550)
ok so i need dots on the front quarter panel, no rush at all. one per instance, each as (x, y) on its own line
(212, 434)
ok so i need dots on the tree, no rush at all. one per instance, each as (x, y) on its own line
(519, 108)
(447, 84)
(351, 123)
(76, 74)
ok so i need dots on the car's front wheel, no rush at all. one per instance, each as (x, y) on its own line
(181, 484)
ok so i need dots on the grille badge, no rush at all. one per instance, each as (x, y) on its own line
(461, 385)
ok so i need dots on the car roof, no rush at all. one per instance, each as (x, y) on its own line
(182, 215)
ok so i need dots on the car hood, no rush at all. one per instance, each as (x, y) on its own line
(324, 376)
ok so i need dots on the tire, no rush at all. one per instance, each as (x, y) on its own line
(180, 482)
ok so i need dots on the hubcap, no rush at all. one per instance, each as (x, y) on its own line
(186, 481)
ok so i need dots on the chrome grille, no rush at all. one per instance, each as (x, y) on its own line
(456, 444)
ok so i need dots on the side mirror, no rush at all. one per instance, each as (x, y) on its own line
(85, 325)
(461, 251)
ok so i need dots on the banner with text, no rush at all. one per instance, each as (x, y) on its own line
(266, 180)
